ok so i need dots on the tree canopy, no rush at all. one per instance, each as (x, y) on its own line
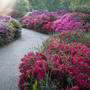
(52, 5)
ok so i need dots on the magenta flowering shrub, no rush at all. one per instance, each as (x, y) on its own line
(65, 67)
(65, 64)
(71, 21)
(40, 23)
(68, 36)
(32, 64)
(60, 21)
(37, 13)
(36, 20)
(69, 60)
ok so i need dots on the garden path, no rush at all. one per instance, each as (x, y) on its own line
(11, 54)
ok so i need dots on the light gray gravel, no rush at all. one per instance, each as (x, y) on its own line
(11, 54)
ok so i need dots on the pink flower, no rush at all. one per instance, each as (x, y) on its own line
(68, 39)
(74, 60)
(54, 72)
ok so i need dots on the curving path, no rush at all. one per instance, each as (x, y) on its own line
(10, 57)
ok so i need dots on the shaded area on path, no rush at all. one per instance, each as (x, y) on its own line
(11, 54)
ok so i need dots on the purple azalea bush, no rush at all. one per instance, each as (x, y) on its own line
(10, 29)
(5, 18)
(56, 13)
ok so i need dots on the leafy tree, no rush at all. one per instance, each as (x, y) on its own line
(22, 5)
(78, 5)
(50, 5)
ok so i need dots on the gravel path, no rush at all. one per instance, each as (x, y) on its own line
(10, 57)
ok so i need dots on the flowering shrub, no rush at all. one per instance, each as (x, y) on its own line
(71, 21)
(10, 29)
(63, 11)
(58, 12)
(59, 65)
(6, 33)
(41, 21)
(16, 28)
(5, 18)
(69, 36)
(37, 13)
(65, 67)
(34, 14)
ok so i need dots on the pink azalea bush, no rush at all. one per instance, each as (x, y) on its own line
(57, 21)
(37, 20)
(37, 13)
(71, 21)
(58, 66)
(40, 23)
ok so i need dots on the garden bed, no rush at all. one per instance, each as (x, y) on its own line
(61, 20)
(41, 20)
(62, 63)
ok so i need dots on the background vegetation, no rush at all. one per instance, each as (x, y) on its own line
(52, 5)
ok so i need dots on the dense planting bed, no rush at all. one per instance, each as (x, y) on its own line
(63, 63)
(10, 29)
(61, 20)
(41, 20)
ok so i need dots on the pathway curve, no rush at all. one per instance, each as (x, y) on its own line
(11, 54)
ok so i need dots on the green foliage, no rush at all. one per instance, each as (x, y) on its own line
(35, 85)
(87, 19)
(27, 84)
(83, 10)
(16, 24)
(69, 80)
(50, 5)
(77, 4)
(80, 4)
(45, 84)
(22, 5)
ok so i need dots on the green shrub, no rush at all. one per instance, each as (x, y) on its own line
(87, 20)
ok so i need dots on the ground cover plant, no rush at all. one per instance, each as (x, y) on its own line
(10, 29)
(63, 63)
